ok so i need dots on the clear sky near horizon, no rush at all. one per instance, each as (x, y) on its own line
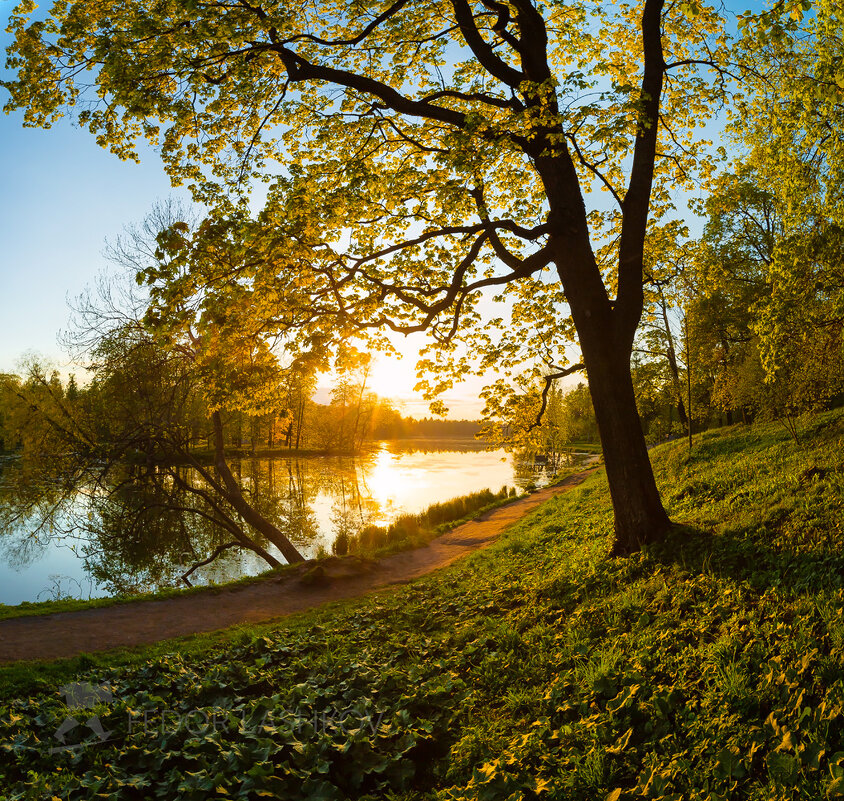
(61, 196)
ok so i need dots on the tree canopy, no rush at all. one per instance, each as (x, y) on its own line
(417, 154)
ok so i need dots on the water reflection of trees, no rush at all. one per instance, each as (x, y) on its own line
(279, 489)
(32, 507)
(139, 529)
(532, 469)
(353, 506)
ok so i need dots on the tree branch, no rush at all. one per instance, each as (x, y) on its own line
(299, 69)
(630, 297)
(483, 51)
(355, 40)
(217, 551)
(549, 381)
(595, 171)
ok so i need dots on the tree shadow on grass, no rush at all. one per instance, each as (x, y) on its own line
(754, 559)
(749, 559)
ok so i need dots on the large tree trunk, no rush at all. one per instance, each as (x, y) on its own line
(243, 508)
(606, 328)
(606, 331)
(639, 515)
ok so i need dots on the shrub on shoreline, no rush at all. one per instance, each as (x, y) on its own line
(412, 529)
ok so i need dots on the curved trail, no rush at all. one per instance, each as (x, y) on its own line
(67, 634)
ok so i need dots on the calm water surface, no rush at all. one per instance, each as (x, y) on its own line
(310, 499)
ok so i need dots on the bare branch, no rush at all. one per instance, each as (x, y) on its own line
(549, 382)
(217, 551)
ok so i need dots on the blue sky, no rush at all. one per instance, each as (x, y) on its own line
(61, 195)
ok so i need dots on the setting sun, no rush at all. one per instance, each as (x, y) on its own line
(394, 378)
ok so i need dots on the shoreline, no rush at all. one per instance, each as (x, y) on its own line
(299, 588)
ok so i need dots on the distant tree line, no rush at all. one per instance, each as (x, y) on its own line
(349, 421)
(388, 423)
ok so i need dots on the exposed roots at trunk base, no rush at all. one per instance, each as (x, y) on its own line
(626, 543)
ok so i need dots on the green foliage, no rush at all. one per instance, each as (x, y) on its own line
(416, 160)
(708, 667)
(766, 320)
(52, 607)
(520, 422)
(776, 224)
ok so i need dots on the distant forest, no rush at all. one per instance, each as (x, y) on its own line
(394, 426)
(39, 406)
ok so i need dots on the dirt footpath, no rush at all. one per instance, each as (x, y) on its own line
(67, 634)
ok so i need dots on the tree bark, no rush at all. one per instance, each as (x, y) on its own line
(243, 508)
(671, 354)
(639, 515)
(606, 332)
(606, 328)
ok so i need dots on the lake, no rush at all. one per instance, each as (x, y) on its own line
(311, 499)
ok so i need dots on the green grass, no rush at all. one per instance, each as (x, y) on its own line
(710, 667)
(33, 608)
(585, 447)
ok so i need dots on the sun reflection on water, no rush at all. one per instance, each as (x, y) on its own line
(311, 499)
(391, 485)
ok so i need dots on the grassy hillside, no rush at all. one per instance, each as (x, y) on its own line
(710, 667)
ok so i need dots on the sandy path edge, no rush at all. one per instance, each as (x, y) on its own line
(67, 634)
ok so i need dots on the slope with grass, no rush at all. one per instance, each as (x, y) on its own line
(711, 667)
